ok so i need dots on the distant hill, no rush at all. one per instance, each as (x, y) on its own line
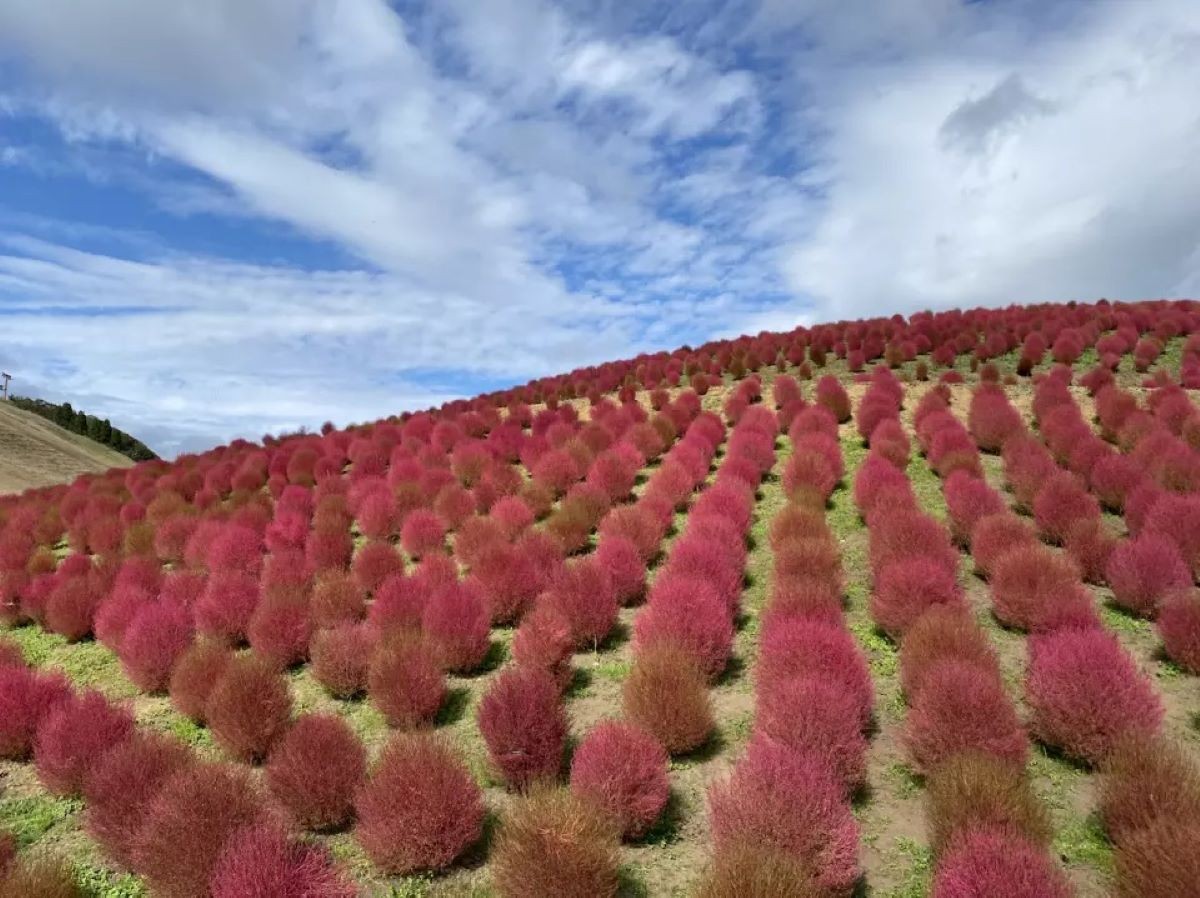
(35, 452)
(98, 430)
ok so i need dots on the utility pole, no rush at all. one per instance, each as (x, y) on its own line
(4, 387)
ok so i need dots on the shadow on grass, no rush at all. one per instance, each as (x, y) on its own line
(454, 708)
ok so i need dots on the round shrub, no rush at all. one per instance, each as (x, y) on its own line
(797, 646)
(26, 698)
(1159, 861)
(423, 533)
(71, 606)
(816, 717)
(1144, 570)
(115, 613)
(154, 640)
(779, 798)
(666, 694)
(944, 633)
(583, 594)
(262, 860)
(406, 684)
(420, 809)
(1087, 694)
(962, 708)
(456, 626)
(248, 708)
(39, 876)
(341, 658)
(188, 823)
(1145, 779)
(280, 629)
(1179, 627)
(1030, 585)
(971, 791)
(902, 535)
(337, 598)
(998, 865)
(543, 642)
(122, 783)
(904, 590)
(314, 769)
(194, 675)
(72, 737)
(1090, 544)
(224, 609)
(552, 843)
(620, 559)
(688, 614)
(995, 535)
(817, 557)
(509, 581)
(522, 720)
(622, 769)
(803, 597)
(747, 869)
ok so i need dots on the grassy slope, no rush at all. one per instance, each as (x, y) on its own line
(35, 452)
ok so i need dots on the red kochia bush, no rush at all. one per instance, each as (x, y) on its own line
(26, 698)
(420, 809)
(340, 658)
(969, 500)
(524, 725)
(73, 736)
(1144, 570)
(997, 534)
(946, 632)
(788, 800)
(154, 640)
(1146, 779)
(194, 675)
(625, 567)
(248, 708)
(961, 707)
(224, 609)
(543, 642)
(832, 395)
(39, 875)
(405, 683)
(582, 592)
(10, 654)
(188, 823)
(1087, 693)
(814, 716)
(315, 768)
(552, 843)
(509, 580)
(1179, 627)
(1033, 589)
(456, 626)
(70, 608)
(122, 783)
(337, 598)
(795, 646)
(622, 769)
(423, 532)
(904, 590)
(374, 563)
(262, 860)
(666, 694)
(1159, 861)
(687, 613)
(998, 865)
(280, 629)
(1060, 504)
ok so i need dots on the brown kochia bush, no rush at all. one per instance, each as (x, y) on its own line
(406, 684)
(341, 658)
(248, 708)
(749, 869)
(1146, 778)
(666, 694)
(315, 768)
(552, 843)
(420, 809)
(975, 791)
(943, 633)
(1160, 861)
(39, 876)
(195, 674)
(188, 823)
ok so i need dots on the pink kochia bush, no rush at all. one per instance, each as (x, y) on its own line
(72, 738)
(420, 809)
(1087, 694)
(1145, 569)
(156, 636)
(622, 769)
(456, 625)
(582, 593)
(263, 860)
(1179, 627)
(1034, 589)
(998, 864)
(796, 646)
(522, 720)
(26, 699)
(690, 614)
(906, 589)
(789, 801)
(814, 716)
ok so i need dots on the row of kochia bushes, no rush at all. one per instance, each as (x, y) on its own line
(1088, 699)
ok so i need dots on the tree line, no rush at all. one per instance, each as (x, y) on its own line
(99, 430)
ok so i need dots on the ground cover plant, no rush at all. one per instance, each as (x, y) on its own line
(902, 605)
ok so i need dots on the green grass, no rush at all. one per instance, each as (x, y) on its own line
(30, 818)
(917, 861)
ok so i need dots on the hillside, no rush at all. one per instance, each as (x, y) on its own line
(98, 430)
(34, 452)
(859, 609)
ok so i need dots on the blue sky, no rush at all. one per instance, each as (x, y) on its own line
(226, 218)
